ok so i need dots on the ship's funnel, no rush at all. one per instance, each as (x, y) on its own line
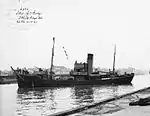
(90, 63)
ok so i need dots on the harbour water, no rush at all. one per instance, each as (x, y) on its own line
(46, 101)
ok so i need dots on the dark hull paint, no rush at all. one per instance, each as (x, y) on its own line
(35, 81)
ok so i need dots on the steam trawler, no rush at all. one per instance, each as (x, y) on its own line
(86, 77)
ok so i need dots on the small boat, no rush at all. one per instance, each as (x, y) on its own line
(89, 78)
(8, 79)
(141, 102)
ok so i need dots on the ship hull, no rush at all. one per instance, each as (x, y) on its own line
(33, 81)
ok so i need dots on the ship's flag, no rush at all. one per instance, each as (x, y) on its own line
(65, 52)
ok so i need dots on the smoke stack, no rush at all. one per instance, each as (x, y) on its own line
(90, 63)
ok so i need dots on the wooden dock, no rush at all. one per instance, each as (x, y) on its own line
(79, 109)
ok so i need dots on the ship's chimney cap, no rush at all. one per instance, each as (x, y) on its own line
(90, 54)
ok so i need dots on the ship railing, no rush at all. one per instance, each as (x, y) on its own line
(79, 73)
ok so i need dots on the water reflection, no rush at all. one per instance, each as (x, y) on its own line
(38, 100)
(107, 91)
(46, 101)
(26, 94)
(83, 95)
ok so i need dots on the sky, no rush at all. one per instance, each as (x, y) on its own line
(82, 27)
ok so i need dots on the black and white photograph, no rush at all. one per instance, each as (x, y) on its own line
(75, 58)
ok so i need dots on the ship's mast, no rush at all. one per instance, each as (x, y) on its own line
(114, 60)
(51, 68)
